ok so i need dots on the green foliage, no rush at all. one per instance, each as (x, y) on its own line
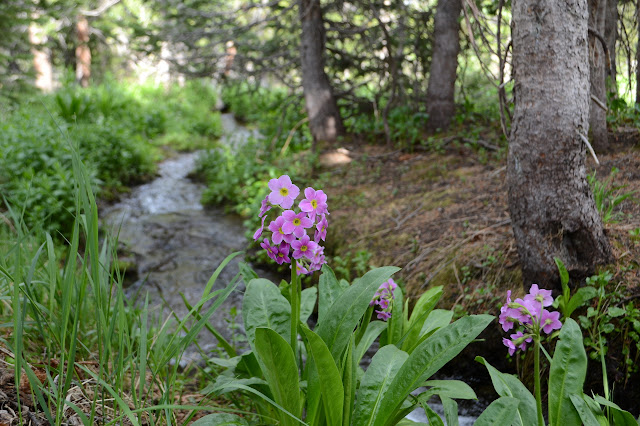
(325, 386)
(608, 196)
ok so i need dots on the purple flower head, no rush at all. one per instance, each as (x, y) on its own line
(283, 192)
(509, 344)
(303, 247)
(282, 255)
(383, 315)
(529, 309)
(271, 251)
(295, 223)
(278, 235)
(520, 340)
(550, 321)
(539, 295)
(300, 269)
(383, 297)
(314, 203)
(321, 229)
(264, 207)
(258, 233)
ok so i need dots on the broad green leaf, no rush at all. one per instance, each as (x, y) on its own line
(280, 369)
(220, 419)
(264, 306)
(438, 318)
(421, 311)
(502, 411)
(349, 381)
(566, 375)
(509, 385)
(329, 290)
(449, 388)
(596, 410)
(308, 302)
(395, 328)
(585, 413)
(330, 380)
(620, 416)
(581, 296)
(428, 358)
(450, 410)
(375, 382)
(373, 331)
(407, 422)
(345, 313)
(432, 417)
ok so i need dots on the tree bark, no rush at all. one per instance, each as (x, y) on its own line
(611, 37)
(597, 61)
(638, 54)
(83, 53)
(553, 212)
(325, 122)
(444, 63)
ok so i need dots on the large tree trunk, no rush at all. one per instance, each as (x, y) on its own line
(553, 212)
(597, 61)
(83, 53)
(41, 60)
(444, 63)
(611, 37)
(324, 118)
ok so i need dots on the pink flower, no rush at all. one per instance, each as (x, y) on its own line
(520, 340)
(258, 233)
(383, 298)
(383, 315)
(264, 207)
(282, 255)
(321, 230)
(278, 235)
(539, 295)
(300, 269)
(295, 223)
(271, 251)
(283, 192)
(303, 247)
(314, 203)
(509, 344)
(550, 321)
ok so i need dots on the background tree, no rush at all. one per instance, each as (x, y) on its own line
(325, 122)
(442, 79)
(553, 213)
(597, 62)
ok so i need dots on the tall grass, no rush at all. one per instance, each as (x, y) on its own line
(75, 342)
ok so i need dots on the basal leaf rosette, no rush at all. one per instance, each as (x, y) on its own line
(297, 234)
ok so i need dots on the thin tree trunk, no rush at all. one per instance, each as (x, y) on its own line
(597, 61)
(444, 64)
(553, 212)
(611, 37)
(638, 54)
(325, 122)
(41, 60)
(83, 53)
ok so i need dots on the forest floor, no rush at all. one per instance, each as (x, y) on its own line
(443, 218)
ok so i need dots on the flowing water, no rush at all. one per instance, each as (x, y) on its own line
(176, 244)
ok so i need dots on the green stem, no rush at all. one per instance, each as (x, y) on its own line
(295, 308)
(537, 380)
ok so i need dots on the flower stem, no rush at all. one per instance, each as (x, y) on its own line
(536, 377)
(295, 308)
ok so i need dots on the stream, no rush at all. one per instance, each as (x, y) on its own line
(176, 244)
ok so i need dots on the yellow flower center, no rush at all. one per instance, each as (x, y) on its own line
(280, 231)
(314, 204)
(303, 248)
(296, 222)
(284, 192)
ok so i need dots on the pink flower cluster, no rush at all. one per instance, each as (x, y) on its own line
(383, 298)
(289, 237)
(530, 314)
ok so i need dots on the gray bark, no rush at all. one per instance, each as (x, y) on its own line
(325, 122)
(553, 212)
(597, 61)
(444, 63)
(611, 37)
(638, 56)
